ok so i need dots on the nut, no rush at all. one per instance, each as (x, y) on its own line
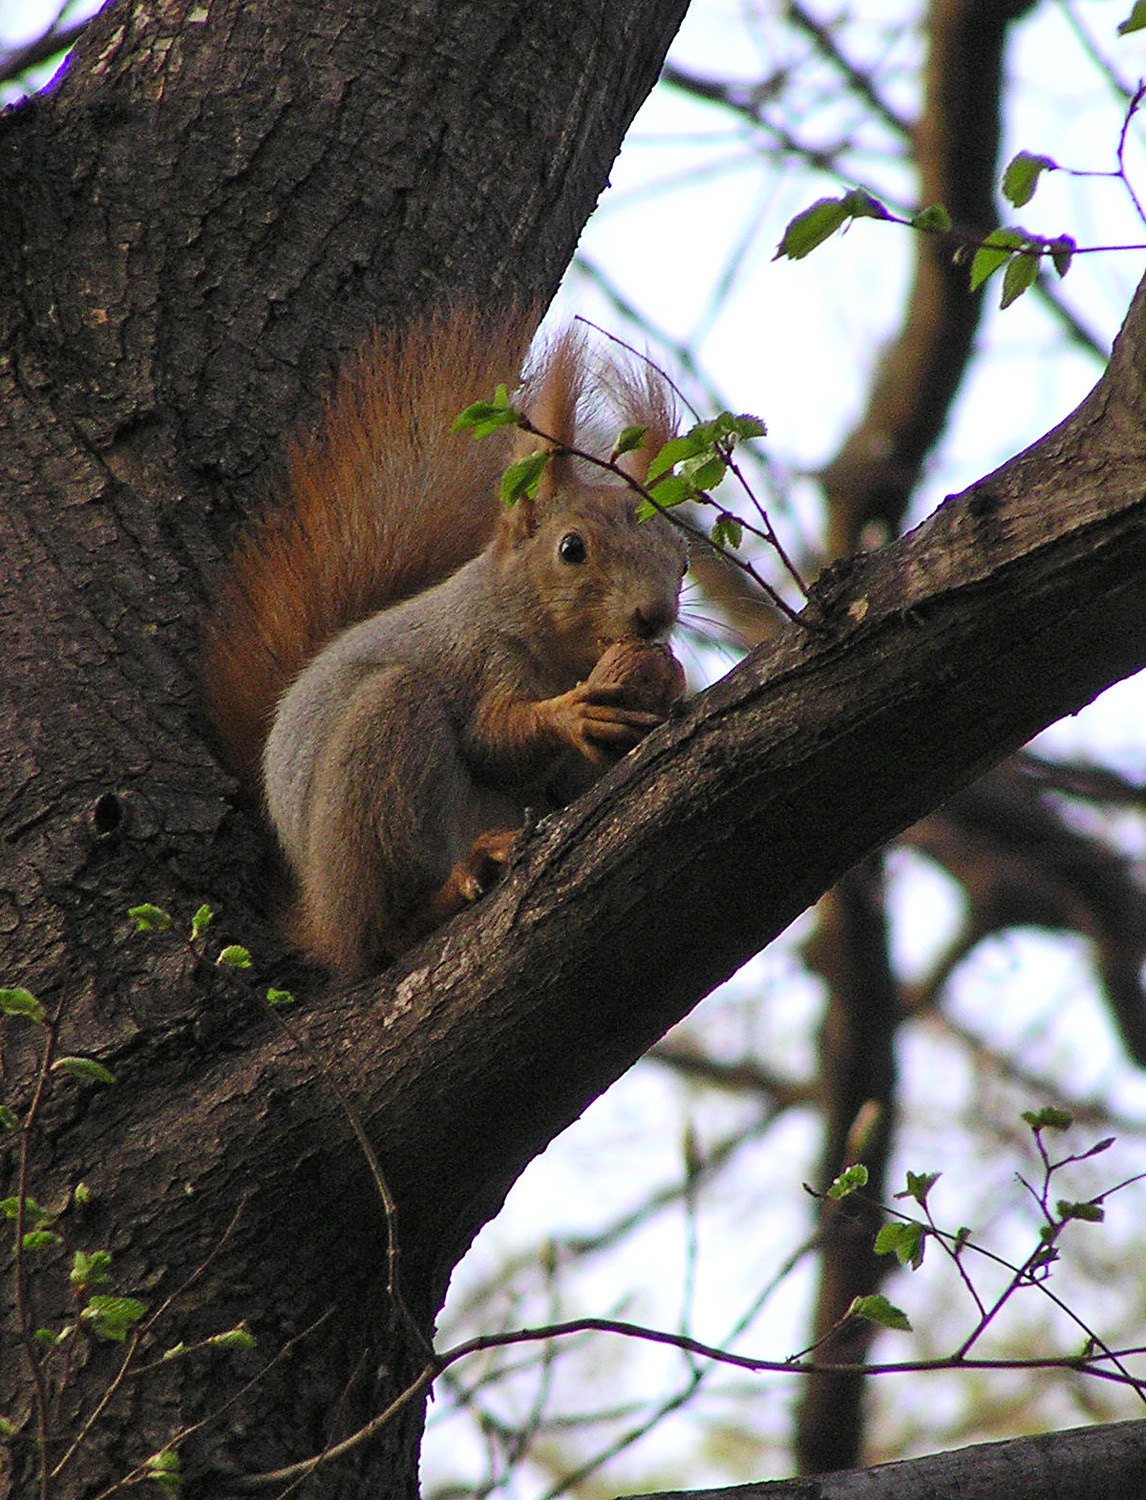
(649, 673)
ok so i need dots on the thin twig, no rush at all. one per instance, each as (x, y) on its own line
(141, 1470)
(138, 1333)
(49, 44)
(857, 80)
(251, 1483)
(382, 1187)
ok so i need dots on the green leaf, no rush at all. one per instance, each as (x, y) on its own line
(704, 472)
(919, 1184)
(84, 1068)
(811, 228)
(860, 204)
(851, 1179)
(677, 449)
(523, 477)
(279, 997)
(878, 1310)
(41, 1239)
(21, 1003)
(819, 222)
(234, 956)
(903, 1240)
(934, 219)
(33, 1213)
(112, 1318)
(201, 921)
(726, 532)
(234, 1338)
(745, 426)
(7, 1429)
(724, 431)
(1048, 1118)
(1021, 271)
(1135, 21)
(90, 1270)
(148, 918)
(163, 1468)
(670, 490)
(701, 454)
(995, 251)
(1093, 1213)
(1022, 176)
(9, 1119)
(82, 1194)
(484, 417)
(1044, 1257)
(628, 440)
(176, 1351)
(49, 1338)
(1062, 249)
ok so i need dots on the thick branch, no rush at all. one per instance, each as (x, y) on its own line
(849, 948)
(1015, 604)
(868, 486)
(1084, 1463)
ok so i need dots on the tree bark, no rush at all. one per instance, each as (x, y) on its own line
(850, 950)
(1085, 1463)
(213, 202)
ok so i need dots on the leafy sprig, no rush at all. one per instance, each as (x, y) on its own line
(1018, 253)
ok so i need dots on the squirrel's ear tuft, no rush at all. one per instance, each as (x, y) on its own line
(641, 396)
(554, 389)
(576, 397)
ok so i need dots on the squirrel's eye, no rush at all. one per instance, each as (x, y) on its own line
(571, 549)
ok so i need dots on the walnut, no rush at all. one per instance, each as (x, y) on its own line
(650, 674)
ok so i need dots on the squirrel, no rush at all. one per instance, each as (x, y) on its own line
(399, 666)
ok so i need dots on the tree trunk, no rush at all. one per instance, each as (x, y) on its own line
(215, 203)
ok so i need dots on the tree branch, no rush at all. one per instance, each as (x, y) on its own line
(1014, 604)
(1084, 1463)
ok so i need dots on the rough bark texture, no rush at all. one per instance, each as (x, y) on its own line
(213, 205)
(217, 199)
(1086, 1463)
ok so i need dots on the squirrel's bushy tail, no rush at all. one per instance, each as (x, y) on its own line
(383, 502)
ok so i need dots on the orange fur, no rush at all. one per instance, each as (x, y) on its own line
(384, 502)
(402, 754)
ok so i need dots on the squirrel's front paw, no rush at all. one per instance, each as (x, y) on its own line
(487, 856)
(629, 691)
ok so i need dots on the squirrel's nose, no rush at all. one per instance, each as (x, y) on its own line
(650, 621)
